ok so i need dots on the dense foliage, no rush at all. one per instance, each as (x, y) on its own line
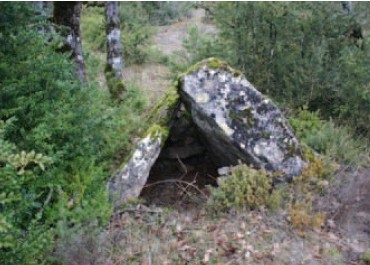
(137, 31)
(310, 54)
(57, 138)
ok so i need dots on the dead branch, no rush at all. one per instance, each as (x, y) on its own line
(177, 181)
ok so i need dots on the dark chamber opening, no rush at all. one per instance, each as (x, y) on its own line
(184, 168)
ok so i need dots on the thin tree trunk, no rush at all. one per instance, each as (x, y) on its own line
(114, 50)
(347, 6)
(43, 9)
(113, 70)
(67, 15)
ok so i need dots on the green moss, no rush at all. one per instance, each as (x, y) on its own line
(366, 257)
(156, 131)
(157, 123)
(116, 86)
(162, 113)
(308, 154)
(265, 135)
(293, 150)
(212, 63)
(245, 117)
(237, 73)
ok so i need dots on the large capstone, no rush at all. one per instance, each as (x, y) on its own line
(237, 121)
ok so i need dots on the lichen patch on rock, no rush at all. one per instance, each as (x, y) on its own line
(237, 120)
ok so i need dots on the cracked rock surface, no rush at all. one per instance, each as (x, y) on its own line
(238, 122)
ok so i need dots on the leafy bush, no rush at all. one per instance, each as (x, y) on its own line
(366, 257)
(298, 53)
(136, 33)
(244, 188)
(301, 216)
(202, 46)
(164, 13)
(93, 28)
(327, 138)
(58, 138)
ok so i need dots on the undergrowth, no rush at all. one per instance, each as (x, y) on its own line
(245, 188)
(339, 143)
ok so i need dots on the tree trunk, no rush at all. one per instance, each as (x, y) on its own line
(347, 6)
(67, 15)
(114, 50)
(113, 70)
(43, 9)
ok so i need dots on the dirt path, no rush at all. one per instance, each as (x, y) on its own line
(169, 38)
(154, 78)
(347, 206)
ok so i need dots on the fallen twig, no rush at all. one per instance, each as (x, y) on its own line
(177, 181)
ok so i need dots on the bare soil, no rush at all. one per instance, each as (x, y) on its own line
(169, 38)
(347, 205)
(154, 78)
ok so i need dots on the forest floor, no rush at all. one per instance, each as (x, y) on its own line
(177, 234)
(149, 234)
(173, 234)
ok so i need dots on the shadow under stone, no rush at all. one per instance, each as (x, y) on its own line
(184, 168)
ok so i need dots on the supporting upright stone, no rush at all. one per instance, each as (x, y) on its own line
(131, 177)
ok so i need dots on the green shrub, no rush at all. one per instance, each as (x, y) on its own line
(93, 28)
(201, 46)
(337, 142)
(58, 140)
(136, 33)
(366, 257)
(297, 53)
(164, 13)
(245, 188)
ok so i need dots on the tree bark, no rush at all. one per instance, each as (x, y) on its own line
(67, 15)
(346, 7)
(114, 50)
(43, 9)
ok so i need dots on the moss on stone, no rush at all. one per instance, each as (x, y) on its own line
(245, 117)
(237, 73)
(157, 122)
(163, 111)
(308, 153)
(156, 131)
(212, 63)
(293, 149)
(265, 135)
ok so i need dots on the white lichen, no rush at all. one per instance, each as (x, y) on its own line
(202, 98)
(114, 35)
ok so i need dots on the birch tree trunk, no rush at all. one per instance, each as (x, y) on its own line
(346, 7)
(67, 15)
(113, 71)
(43, 9)
(114, 50)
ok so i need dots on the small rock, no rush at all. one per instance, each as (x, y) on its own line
(222, 171)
